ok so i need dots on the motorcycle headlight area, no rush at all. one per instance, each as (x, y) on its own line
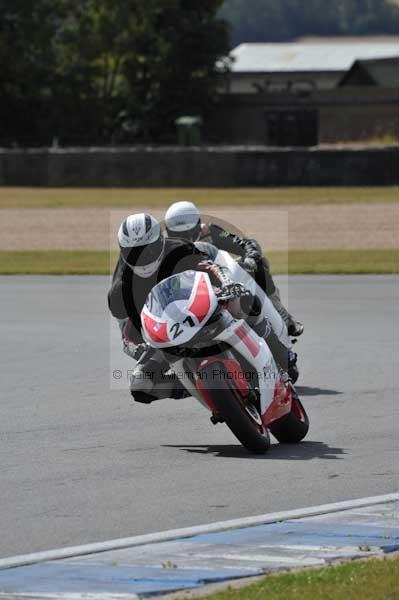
(203, 343)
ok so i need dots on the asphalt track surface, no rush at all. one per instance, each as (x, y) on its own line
(81, 463)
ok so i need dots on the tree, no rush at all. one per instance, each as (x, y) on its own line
(27, 63)
(171, 67)
(102, 70)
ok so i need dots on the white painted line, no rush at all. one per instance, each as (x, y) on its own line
(68, 596)
(320, 549)
(187, 532)
(289, 560)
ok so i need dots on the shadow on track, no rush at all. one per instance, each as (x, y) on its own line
(302, 451)
(315, 391)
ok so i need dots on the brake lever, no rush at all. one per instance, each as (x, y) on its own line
(222, 299)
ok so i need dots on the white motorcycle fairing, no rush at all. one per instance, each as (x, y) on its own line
(238, 274)
(220, 359)
(253, 348)
(177, 322)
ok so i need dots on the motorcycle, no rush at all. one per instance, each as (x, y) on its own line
(220, 360)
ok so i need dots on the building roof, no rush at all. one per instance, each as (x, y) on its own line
(382, 72)
(306, 57)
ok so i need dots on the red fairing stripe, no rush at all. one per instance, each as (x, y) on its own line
(236, 374)
(281, 405)
(234, 371)
(202, 301)
(156, 330)
(247, 337)
(205, 395)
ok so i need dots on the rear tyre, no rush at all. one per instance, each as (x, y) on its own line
(242, 419)
(291, 428)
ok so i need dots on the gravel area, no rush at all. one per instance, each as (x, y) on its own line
(295, 227)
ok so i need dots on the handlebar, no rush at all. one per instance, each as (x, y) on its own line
(232, 291)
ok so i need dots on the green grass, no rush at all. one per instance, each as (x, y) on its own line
(335, 261)
(56, 262)
(365, 580)
(151, 197)
(100, 262)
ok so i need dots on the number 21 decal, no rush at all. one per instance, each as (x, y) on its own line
(177, 329)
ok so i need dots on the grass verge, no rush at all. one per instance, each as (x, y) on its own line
(14, 197)
(365, 580)
(341, 262)
(55, 262)
(100, 262)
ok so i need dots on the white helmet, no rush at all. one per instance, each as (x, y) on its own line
(141, 243)
(183, 220)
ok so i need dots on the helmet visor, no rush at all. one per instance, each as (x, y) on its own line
(190, 235)
(141, 256)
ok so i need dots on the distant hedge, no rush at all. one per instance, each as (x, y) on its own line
(281, 20)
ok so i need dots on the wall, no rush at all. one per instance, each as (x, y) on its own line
(247, 83)
(199, 167)
(345, 114)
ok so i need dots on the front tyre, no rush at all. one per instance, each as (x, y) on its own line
(240, 416)
(294, 426)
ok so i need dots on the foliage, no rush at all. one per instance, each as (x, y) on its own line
(105, 70)
(172, 68)
(280, 20)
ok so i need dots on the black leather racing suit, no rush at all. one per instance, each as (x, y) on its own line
(249, 248)
(129, 292)
(245, 248)
(127, 297)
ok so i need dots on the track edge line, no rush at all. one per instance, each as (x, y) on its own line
(187, 532)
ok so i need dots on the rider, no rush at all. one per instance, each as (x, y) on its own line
(183, 220)
(146, 258)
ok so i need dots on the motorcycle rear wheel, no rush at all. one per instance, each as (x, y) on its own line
(244, 422)
(291, 428)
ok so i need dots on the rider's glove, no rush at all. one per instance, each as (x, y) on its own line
(215, 272)
(139, 351)
(249, 264)
(232, 290)
(252, 250)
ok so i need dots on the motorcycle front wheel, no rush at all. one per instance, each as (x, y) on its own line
(291, 428)
(241, 417)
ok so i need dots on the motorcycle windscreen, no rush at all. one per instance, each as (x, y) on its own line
(172, 289)
(178, 306)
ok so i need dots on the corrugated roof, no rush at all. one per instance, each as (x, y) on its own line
(383, 72)
(294, 57)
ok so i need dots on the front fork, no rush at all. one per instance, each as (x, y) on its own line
(274, 396)
(238, 335)
(185, 369)
(256, 352)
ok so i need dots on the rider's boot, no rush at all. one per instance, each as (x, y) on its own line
(142, 378)
(295, 328)
(150, 380)
(142, 383)
(285, 359)
(293, 371)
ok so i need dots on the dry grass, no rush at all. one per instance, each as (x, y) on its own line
(153, 197)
